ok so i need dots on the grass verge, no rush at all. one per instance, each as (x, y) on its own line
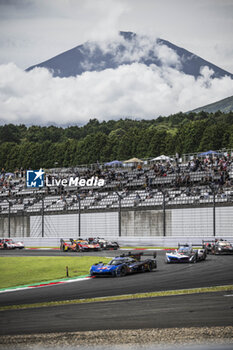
(121, 297)
(16, 271)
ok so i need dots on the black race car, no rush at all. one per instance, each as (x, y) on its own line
(104, 244)
(222, 247)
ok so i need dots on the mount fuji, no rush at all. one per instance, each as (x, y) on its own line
(129, 48)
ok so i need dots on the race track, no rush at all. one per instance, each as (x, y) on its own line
(211, 309)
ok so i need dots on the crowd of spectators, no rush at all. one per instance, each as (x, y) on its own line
(212, 171)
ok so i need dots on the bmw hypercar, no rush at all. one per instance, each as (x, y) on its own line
(123, 265)
(186, 254)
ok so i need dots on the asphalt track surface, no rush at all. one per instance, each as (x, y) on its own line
(210, 309)
(206, 309)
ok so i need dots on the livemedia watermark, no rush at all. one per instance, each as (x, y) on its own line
(38, 179)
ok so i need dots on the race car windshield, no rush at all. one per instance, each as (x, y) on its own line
(184, 250)
(117, 262)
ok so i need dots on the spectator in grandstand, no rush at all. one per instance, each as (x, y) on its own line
(187, 180)
(150, 182)
(97, 197)
(16, 173)
(170, 170)
(222, 178)
(22, 172)
(223, 194)
(206, 195)
(137, 199)
(149, 193)
(125, 192)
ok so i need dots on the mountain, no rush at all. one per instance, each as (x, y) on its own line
(225, 106)
(94, 56)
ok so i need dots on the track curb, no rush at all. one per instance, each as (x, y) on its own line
(45, 284)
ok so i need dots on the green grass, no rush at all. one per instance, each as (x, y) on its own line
(16, 271)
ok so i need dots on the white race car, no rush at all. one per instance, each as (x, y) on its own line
(8, 243)
(185, 253)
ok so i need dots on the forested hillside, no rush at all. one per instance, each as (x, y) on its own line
(35, 146)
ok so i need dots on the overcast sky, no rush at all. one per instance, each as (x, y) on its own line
(35, 30)
(32, 31)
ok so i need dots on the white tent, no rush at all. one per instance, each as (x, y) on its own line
(161, 158)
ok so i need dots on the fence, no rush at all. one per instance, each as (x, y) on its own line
(188, 221)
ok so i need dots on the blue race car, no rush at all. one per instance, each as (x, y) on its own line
(124, 265)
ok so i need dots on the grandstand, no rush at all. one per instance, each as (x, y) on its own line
(162, 198)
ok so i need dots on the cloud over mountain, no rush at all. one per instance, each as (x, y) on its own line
(131, 90)
(130, 76)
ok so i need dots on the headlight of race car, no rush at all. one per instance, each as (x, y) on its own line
(219, 248)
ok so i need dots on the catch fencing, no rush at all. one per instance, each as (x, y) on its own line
(148, 224)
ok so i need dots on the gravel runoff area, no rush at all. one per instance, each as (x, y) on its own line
(124, 339)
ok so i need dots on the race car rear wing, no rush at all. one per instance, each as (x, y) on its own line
(71, 240)
(184, 245)
(209, 241)
(65, 240)
(137, 255)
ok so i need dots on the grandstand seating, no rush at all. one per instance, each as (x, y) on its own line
(179, 184)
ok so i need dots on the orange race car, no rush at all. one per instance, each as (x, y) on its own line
(78, 245)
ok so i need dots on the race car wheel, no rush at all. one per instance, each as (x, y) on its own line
(123, 271)
(150, 267)
(142, 268)
(195, 259)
